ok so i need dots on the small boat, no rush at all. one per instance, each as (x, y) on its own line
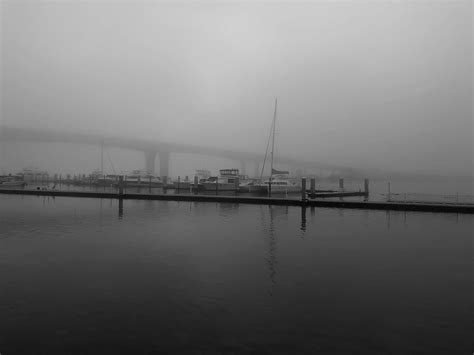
(139, 178)
(280, 185)
(10, 180)
(228, 180)
(250, 185)
(106, 180)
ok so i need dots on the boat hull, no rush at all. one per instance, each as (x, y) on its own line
(211, 186)
(278, 189)
(13, 183)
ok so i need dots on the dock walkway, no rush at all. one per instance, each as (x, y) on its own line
(315, 202)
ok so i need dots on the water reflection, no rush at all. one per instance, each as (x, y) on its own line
(303, 220)
(271, 245)
(120, 208)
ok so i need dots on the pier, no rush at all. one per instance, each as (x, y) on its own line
(302, 202)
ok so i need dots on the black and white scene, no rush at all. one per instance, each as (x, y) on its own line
(236, 177)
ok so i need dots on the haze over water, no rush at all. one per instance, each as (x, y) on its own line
(372, 85)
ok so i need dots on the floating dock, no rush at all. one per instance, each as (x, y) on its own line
(314, 202)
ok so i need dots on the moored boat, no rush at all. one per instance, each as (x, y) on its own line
(280, 185)
(12, 180)
(228, 180)
(139, 178)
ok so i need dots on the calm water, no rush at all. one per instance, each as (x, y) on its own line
(90, 276)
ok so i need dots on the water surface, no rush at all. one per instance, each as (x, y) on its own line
(82, 276)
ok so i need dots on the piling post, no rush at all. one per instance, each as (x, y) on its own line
(195, 183)
(313, 186)
(178, 183)
(366, 186)
(120, 185)
(217, 186)
(165, 181)
(303, 189)
(389, 193)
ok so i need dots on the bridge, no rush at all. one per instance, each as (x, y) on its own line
(153, 148)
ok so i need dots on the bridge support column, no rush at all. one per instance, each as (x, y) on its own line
(150, 162)
(164, 163)
(243, 170)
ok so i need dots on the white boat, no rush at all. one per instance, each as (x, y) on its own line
(228, 180)
(202, 175)
(280, 185)
(106, 180)
(10, 180)
(251, 185)
(139, 178)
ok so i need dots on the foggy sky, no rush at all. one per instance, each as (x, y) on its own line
(384, 84)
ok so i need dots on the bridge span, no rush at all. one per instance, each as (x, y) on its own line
(153, 148)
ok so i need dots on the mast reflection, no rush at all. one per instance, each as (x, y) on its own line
(120, 209)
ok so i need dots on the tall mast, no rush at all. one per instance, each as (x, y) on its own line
(273, 138)
(101, 157)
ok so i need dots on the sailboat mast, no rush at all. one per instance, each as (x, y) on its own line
(102, 157)
(273, 138)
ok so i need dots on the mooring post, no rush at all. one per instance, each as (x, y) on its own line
(178, 183)
(120, 185)
(366, 186)
(389, 194)
(217, 186)
(149, 184)
(313, 186)
(303, 189)
(341, 184)
(237, 183)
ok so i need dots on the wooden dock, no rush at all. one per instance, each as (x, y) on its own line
(375, 205)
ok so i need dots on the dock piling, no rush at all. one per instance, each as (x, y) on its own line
(195, 183)
(303, 189)
(313, 186)
(120, 185)
(366, 186)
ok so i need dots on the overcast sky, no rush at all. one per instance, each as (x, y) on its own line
(379, 83)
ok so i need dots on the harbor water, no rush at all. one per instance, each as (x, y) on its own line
(96, 276)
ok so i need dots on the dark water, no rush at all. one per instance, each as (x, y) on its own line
(87, 276)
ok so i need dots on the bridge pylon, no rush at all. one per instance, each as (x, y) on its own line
(150, 162)
(164, 162)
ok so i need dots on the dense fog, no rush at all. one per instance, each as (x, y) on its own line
(371, 85)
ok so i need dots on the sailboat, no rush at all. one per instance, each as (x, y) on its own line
(279, 181)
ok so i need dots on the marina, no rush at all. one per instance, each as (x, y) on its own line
(236, 177)
(318, 200)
